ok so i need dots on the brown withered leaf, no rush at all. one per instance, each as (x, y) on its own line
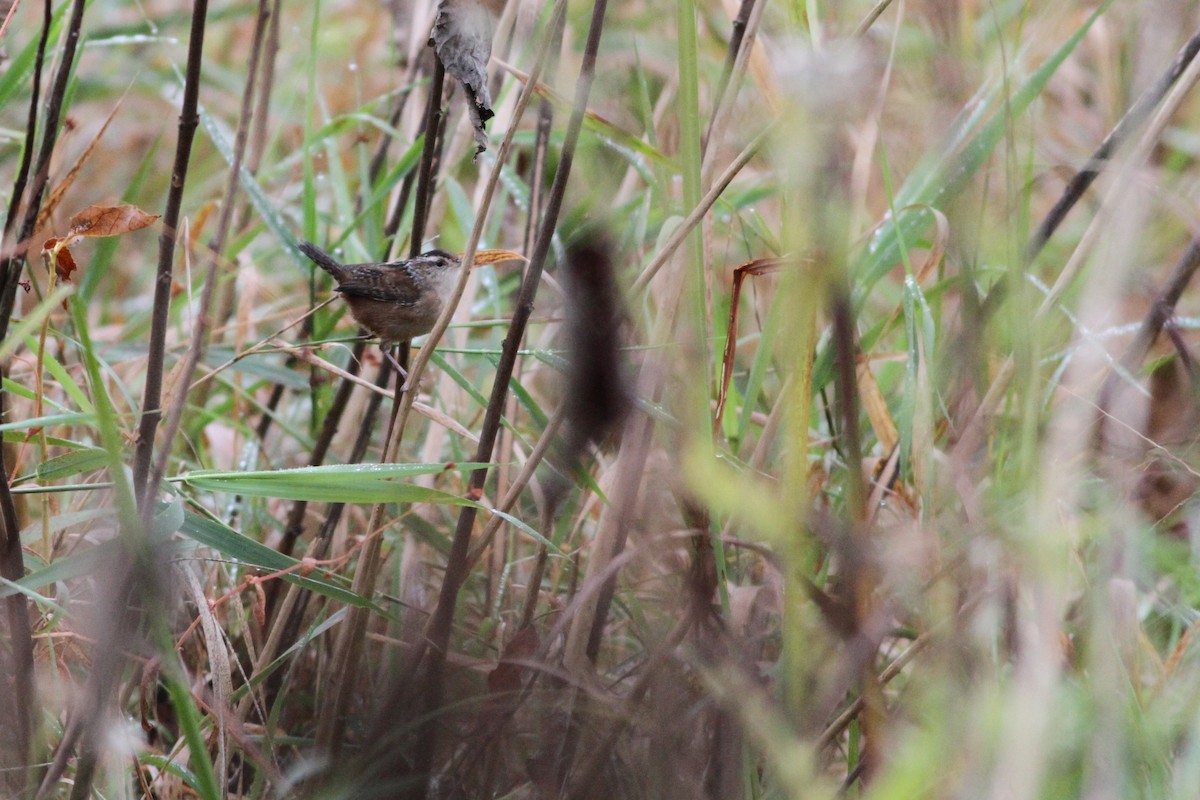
(64, 262)
(462, 39)
(758, 266)
(109, 221)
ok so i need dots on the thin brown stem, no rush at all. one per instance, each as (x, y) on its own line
(203, 323)
(425, 178)
(189, 119)
(736, 34)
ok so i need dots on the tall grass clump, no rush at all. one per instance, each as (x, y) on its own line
(835, 439)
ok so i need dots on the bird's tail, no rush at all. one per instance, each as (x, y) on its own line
(323, 260)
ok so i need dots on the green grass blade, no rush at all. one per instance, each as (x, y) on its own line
(339, 483)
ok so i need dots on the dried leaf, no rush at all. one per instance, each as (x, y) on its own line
(64, 262)
(60, 191)
(758, 266)
(462, 38)
(109, 221)
(873, 402)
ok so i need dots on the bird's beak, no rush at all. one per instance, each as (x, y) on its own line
(496, 257)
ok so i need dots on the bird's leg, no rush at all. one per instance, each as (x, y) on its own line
(386, 348)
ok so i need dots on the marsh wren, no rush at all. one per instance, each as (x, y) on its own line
(397, 300)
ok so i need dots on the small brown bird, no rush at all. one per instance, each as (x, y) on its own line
(397, 300)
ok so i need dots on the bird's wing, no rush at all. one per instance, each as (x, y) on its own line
(389, 283)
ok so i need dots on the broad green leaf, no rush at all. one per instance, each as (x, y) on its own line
(49, 420)
(71, 464)
(244, 550)
(339, 483)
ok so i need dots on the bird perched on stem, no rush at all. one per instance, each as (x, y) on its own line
(397, 300)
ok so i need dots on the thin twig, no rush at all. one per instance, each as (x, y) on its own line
(263, 342)
(548, 437)
(1085, 177)
(438, 633)
(443, 322)
(724, 109)
(22, 177)
(351, 635)
(870, 18)
(737, 33)
(425, 178)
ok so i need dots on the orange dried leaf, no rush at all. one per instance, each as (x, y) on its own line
(110, 220)
(874, 403)
(64, 262)
(198, 221)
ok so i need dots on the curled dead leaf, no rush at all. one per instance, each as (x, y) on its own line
(57, 252)
(462, 39)
(109, 221)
